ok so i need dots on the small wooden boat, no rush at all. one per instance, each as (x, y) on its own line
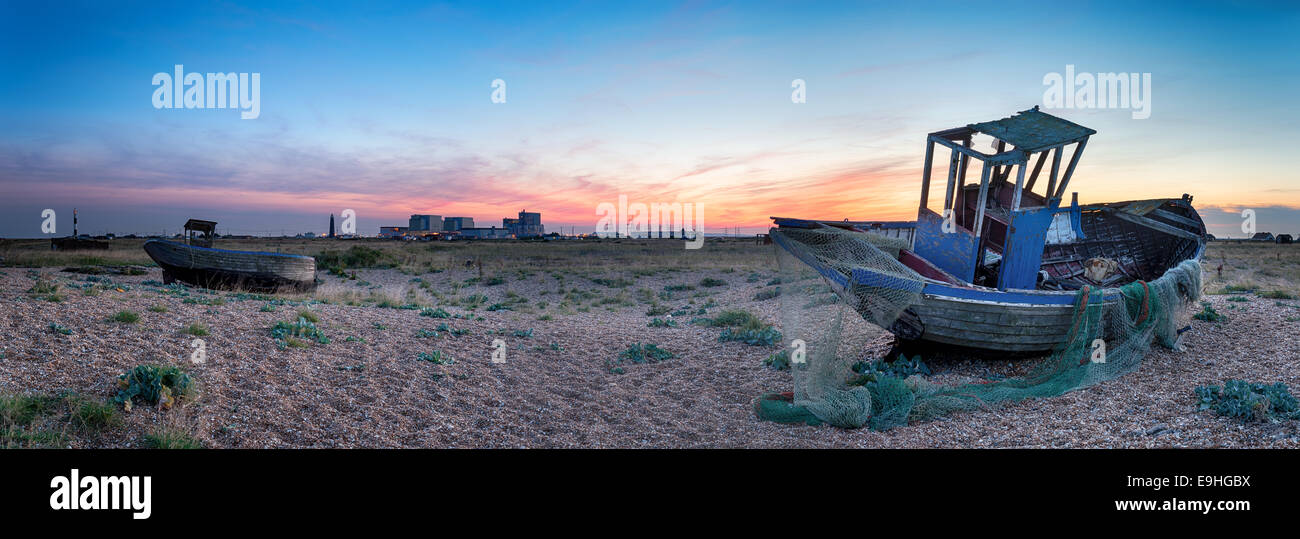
(1000, 268)
(196, 262)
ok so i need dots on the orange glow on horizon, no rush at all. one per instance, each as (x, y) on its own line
(740, 202)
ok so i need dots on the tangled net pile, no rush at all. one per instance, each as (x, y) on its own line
(819, 285)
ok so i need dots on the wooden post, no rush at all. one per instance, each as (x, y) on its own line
(1038, 167)
(1056, 170)
(1069, 171)
(1020, 181)
(997, 170)
(981, 201)
(960, 197)
(953, 163)
(925, 173)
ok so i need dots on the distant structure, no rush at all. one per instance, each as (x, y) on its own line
(423, 225)
(490, 233)
(331, 225)
(392, 231)
(528, 225)
(453, 224)
(429, 227)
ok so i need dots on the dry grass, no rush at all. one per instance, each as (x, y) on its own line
(37, 254)
(416, 258)
(1266, 268)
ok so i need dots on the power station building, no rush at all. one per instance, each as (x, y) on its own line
(528, 225)
(392, 231)
(425, 224)
(453, 224)
(489, 233)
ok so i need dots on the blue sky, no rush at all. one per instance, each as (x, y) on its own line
(385, 108)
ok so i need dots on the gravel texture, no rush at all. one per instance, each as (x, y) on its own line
(555, 389)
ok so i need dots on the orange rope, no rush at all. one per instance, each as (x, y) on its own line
(1083, 307)
(1146, 303)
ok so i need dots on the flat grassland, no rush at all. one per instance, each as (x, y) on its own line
(412, 329)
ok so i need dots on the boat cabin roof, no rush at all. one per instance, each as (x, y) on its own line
(1032, 130)
(1000, 215)
(201, 225)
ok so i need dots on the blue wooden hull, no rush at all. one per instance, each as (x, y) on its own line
(963, 314)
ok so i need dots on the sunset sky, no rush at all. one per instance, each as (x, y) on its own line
(386, 108)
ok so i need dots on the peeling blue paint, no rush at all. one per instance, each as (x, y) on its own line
(953, 252)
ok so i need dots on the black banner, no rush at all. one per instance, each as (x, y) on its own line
(1096, 486)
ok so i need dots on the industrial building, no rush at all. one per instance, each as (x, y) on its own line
(489, 233)
(392, 231)
(421, 225)
(528, 225)
(453, 224)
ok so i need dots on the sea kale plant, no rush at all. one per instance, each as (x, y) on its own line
(901, 368)
(779, 361)
(156, 385)
(742, 326)
(638, 353)
(436, 357)
(1249, 401)
(1208, 313)
(288, 334)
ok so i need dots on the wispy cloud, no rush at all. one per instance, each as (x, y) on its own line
(908, 64)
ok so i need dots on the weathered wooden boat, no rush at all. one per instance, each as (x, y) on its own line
(1000, 267)
(196, 262)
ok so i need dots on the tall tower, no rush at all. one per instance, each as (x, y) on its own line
(331, 225)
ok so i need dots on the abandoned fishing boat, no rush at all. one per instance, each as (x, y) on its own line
(196, 262)
(1001, 265)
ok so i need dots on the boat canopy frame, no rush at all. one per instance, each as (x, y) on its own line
(199, 232)
(1026, 133)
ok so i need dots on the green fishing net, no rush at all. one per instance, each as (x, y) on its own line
(1111, 330)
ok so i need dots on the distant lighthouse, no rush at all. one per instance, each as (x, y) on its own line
(331, 225)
